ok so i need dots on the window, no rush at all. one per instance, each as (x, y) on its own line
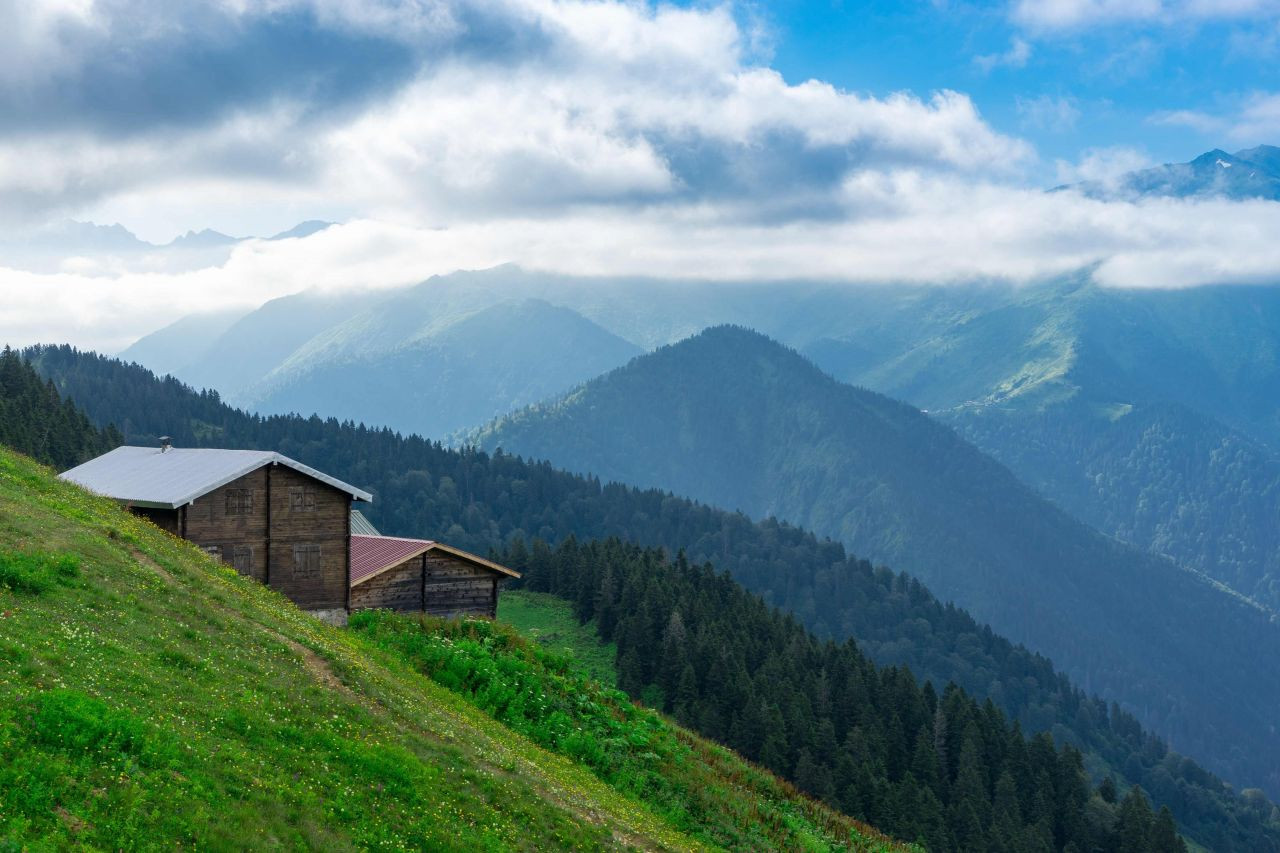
(302, 499)
(239, 501)
(242, 559)
(212, 550)
(306, 562)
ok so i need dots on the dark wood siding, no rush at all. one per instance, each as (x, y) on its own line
(455, 587)
(279, 527)
(399, 588)
(452, 587)
(231, 522)
(310, 527)
(165, 519)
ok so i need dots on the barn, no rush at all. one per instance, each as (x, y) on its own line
(292, 528)
(419, 575)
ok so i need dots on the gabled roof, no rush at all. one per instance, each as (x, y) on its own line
(373, 555)
(361, 526)
(168, 479)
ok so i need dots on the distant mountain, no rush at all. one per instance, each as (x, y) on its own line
(981, 354)
(1251, 173)
(302, 229)
(732, 418)
(509, 355)
(181, 344)
(1158, 475)
(204, 239)
(86, 237)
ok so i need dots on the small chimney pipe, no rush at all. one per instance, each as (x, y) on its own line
(166, 443)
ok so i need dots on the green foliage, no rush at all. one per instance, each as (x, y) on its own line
(551, 623)
(476, 501)
(541, 695)
(161, 701)
(35, 573)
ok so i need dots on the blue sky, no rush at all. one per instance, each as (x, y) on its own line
(1097, 82)
(804, 139)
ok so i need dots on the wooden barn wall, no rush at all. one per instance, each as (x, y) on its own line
(310, 538)
(304, 551)
(395, 589)
(456, 587)
(238, 538)
(453, 587)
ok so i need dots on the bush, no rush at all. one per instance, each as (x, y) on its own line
(76, 723)
(35, 573)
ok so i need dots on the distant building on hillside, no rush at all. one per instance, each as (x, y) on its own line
(292, 528)
(421, 575)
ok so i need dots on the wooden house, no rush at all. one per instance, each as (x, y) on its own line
(421, 576)
(270, 517)
(292, 528)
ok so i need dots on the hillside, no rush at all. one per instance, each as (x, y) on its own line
(733, 419)
(152, 697)
(477, 501)
(1157, 475)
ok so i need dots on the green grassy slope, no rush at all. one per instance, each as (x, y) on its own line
(550, 621)
(151, 697)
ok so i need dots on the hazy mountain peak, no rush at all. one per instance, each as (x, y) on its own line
(1247, 174)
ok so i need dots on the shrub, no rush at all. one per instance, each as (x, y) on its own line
(35, 573)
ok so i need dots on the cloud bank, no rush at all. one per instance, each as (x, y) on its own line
(582, 136)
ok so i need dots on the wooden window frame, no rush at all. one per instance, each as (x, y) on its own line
(302, 499)
(239, 502)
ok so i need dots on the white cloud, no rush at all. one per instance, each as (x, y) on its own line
(1047, 112)
(614, 138)
(901, 226)
(1015, 57)
(1254, 120)
(1102, 164)
(1050, 15)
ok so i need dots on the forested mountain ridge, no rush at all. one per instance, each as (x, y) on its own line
(734, 419)
(1157, 475)
(476, 501)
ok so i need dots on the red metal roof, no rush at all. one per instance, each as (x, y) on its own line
(373, 554)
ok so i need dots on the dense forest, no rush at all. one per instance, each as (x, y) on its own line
(942, 770)
(479, 501)
(1161, 476)
(35, 420)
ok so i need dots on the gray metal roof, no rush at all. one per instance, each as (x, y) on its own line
(168, 479)
(361, 526)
